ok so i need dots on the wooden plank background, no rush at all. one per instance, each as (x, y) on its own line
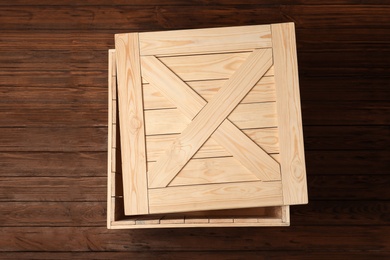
(53, 130)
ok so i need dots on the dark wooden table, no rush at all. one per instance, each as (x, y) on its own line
(53, 130)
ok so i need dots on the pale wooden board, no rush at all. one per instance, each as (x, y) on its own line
(255, 115)
(207, 67)
(111, 61)
(209, 118)
(212, 170)
(215, 196)
(165, 121)
(289, 115)
(266, 138)
(263, 91)
(156, 145)
(244, 116)
(172, 219)
(205, 40)
(131, 124)
(190, 103)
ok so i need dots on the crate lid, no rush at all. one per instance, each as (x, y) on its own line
(210, 119)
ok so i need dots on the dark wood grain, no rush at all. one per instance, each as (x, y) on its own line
(53, 164)
(53, 189)
(53, 137)
(201, 255)
(272, 239)
(332, 163)
(63, 214)
(61, 139)
(93, 214)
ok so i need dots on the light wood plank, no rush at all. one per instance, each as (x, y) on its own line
(131, 124)
(289, 115)
(221, 220)
(212, 170)
(266, 138)
(245, 220)
(215, 196)
(172, 219)
(244, 116)
(205, 40)
(166, 121)
(263, 91)
(209, 118)
(157, 144)
(255, 115)
(207, 67)
(111, 60)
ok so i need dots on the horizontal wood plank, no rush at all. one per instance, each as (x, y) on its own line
(53, 214)
(122, 17)
(207, 67)
(57, 164)
(270, 239)
(210, 40)
(266, 138)
(215, 196)
(212, 170)
(171, 121)
(204, 254)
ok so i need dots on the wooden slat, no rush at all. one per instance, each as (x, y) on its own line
(255, 115)
(213, 114)
(207, 67)
(324, 238)
(244, 116)
(243, 254)
(210, 40)
(289, 115)
(215, 196)
(131, 124)
(212, 170)
(156, 145)
(111, 70)
(66, 214)
(165, 121)
(263, 91)
(266, 138)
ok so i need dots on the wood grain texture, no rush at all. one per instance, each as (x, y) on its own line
(212, 170)
(211, 40)
(221, 105)
(131, 124)
(270, 239)
(289, 115)
(234, 141)
(215, 196)
(266, 138)
(207, 67)
(53, 81)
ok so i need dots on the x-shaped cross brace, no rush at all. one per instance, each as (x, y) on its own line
(210, 118)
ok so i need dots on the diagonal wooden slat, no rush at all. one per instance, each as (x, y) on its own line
(131, 124)
(229, 136)
(210, 118)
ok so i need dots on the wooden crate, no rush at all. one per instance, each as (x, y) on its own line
(116, 218)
